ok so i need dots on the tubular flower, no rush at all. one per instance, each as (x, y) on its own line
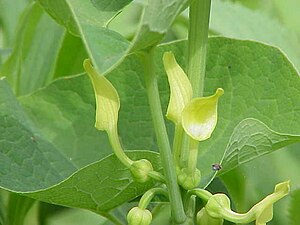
(218, 206)
(107, 99)
(180, 88)
(199, 117)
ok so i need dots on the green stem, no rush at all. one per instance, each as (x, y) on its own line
(177, 144)
(118, 150)
(197, 44)
(200, 193)
(147, 197)
(162, 138)
(157, 176)
(193, 156)
(199, 13)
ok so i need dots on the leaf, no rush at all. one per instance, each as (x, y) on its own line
(83, 19)
(76, 217)
(100, 186)
(10, 12)
(31, 64)
(64, 112)
(293, 212)
(233, 20)
(157, 18)
(70, 58)
(2, 209)
(110, 5)
(29, 163)
(251, 139)
(287, 13)
(27, 160)
(17, 208)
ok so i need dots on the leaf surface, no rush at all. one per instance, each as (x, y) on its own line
(100, 186)
(31, 164)
(110, 5)
(10, 12)
(251, 139)
(157, 18)
(105, 47)
(31, 64)
(293, 212)
(235, 21)
(28, 161)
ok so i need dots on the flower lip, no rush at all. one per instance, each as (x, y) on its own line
(199, 117)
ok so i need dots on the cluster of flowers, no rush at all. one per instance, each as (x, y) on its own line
(195, 119)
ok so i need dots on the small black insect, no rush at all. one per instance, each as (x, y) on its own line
(33, 139)
(216, 167)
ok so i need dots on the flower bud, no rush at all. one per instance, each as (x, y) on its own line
(204, 219)
(187, 180)
(138, 216)
(140, 169)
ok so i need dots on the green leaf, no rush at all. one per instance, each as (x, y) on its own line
(83, 19)
(76, 217)
(10, 12)
(100, 186)
(31, 164)
(64, 112)
(233, 20)
(2, 209)
(251, 139)
(293, 212)
(288, 13)
(27, 160)
(110, 5)
(70, 58)
(157, 18)
(31, 64)
(17, 208)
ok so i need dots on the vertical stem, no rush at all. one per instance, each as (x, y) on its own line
(177, 144)
(199, 13)
(197, 43)
(162, 138)
(192, 161)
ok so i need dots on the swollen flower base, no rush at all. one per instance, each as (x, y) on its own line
(138, 216)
